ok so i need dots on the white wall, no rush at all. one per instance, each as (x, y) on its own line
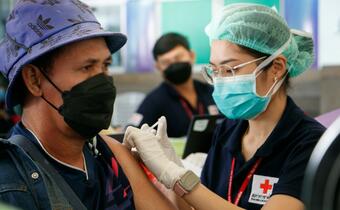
(329, 33)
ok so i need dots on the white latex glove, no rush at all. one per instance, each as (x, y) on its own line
(164, 140)
(151, 152)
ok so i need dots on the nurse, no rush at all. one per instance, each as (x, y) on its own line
(258, 159)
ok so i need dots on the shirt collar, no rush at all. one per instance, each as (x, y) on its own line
(172, 91)
(233, 144)
(290, 118)
(20, 129)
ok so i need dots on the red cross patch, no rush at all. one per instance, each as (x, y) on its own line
(262, 188)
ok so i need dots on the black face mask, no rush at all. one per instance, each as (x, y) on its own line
(87, 108)
(178, 73)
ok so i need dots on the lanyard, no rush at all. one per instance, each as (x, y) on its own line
(245, 182)
(188, 110)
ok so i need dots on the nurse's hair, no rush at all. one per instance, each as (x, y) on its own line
(261, 28)
(257, 54)
(169, 41)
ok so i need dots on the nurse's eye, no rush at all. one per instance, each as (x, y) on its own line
(226, 71)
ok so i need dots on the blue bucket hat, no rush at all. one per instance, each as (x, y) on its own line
(36, 27)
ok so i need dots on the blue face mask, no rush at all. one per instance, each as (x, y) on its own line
(236, 96)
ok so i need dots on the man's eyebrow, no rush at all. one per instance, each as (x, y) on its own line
(91, 60)
(95, 60)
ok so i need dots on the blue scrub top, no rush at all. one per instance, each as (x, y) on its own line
(103, 189)
(285, 155)
(166, 101)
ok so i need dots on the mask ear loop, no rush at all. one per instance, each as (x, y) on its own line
(54, 85)
(277, 84)
(259, 69)
(48, 79)
(272, 87)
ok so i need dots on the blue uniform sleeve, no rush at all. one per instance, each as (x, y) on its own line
(291, 177)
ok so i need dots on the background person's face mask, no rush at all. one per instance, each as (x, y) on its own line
(178, 73)
(88, 107)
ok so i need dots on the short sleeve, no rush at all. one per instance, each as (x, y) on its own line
(292, 173)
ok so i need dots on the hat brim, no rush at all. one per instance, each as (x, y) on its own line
(75, 33)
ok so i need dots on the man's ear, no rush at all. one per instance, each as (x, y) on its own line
(31, 76)
(279, 67)
(193, 57)
(157, 66)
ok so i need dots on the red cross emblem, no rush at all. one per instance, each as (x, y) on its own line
(266, 186)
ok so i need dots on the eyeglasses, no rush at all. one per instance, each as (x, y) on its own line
(209, 71)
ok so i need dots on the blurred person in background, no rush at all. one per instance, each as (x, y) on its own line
(8, 117)
(180, 96)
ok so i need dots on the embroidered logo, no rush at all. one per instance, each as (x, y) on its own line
(41, 25)
(32, 1)
(83, 7)
(3, 41)
(12, 15)
(49, 42)
(81, 19)
(12, 50)
(78, 31)
(51, 2)
(262, 188)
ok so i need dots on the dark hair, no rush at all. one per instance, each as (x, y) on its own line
(168, 42)
(258, 54)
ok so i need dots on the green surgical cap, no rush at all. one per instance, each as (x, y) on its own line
(261, 28)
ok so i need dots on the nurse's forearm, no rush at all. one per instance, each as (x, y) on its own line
(201, 198)
(146, 196)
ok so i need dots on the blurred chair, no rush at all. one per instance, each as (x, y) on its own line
(329, 117)
(321, 187)
(125, 105)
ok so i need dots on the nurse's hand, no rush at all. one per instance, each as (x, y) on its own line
(161, 132)
(150, 150)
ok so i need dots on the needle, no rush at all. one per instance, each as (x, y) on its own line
(154, 125)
